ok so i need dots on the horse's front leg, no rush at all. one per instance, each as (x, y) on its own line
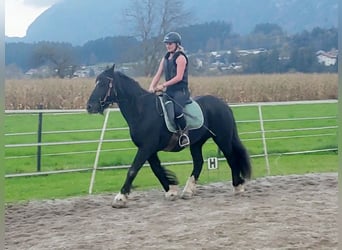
(166, 177)
(120, 200)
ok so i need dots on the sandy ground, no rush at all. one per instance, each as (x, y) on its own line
(292, 212)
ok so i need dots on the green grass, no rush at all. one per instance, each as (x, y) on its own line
(59, 157)
(110, 181)
(122, 153)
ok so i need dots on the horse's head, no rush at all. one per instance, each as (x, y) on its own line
(103, 94)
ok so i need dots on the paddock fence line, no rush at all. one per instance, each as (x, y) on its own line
(263, 133)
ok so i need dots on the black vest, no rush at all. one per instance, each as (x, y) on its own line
(170, 71)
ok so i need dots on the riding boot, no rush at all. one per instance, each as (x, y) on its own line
(183, 138)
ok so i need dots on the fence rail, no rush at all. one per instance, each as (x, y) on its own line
(264, 135)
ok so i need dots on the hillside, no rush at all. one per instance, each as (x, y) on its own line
(78, 21)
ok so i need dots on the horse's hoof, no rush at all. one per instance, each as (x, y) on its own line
(239, 189)
(120, 201)
(172, 194)
(187, 195)
(189, 189)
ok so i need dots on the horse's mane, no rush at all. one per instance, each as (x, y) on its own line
(128, 83)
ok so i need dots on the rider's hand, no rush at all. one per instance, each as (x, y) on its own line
(159, 87)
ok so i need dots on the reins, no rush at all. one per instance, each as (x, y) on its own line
(111, 87)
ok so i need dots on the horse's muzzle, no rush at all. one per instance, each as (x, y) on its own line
(91, 109)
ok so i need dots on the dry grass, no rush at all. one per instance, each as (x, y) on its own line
(51, 93)
(266, 88)
(73, 93)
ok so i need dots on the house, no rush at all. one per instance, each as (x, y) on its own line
(327, 58)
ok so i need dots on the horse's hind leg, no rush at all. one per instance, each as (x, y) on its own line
(235, 154)
(197, 157)
(190, 186)
(167, 178)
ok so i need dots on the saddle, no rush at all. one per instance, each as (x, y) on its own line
(192, 113)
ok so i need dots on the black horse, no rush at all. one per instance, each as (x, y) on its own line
(148, 131)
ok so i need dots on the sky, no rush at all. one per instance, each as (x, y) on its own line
(19, 14)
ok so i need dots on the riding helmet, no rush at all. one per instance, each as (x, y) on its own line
(172, 37)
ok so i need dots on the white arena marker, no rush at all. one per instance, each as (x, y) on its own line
(212, 163)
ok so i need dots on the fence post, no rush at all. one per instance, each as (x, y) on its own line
(39, 133)
(264, 139)
(98, 152)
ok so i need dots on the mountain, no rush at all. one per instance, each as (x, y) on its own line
(78, 21)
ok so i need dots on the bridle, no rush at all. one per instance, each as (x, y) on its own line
(105, 98)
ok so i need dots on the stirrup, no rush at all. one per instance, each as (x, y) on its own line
(183, 140)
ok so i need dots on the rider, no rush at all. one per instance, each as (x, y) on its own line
(175, 67)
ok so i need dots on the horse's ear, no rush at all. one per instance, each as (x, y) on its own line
(112, 68)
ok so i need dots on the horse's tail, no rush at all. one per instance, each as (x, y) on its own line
(242, 156)
(171, 177)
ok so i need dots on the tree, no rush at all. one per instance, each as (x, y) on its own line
(151, 20)
(304, 59)
(110, 49)
(267, 29)
(267, 35)
(57, 55)
(207, 36)
(12, 71)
